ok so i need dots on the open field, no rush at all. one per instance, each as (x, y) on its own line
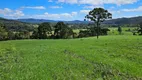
(115, 57)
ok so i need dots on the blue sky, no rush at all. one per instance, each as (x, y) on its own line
(67, 9)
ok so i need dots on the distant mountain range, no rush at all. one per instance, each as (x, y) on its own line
(119, 21)
(31, 20)
(29, 24)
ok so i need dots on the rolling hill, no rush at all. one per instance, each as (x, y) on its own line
(16, 25)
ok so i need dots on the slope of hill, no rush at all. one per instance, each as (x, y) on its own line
(16, 25)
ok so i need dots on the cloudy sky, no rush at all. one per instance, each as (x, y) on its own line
(67, 9)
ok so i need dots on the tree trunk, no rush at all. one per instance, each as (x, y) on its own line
(97, 30)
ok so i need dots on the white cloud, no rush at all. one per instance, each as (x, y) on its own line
(112, 7)
(92, 2)
(11, 13)
(74, 13)
(55, 7)
(89, 7)
(132, 10)
(72, 1)
(93, 6)
(18, 13)
(5, 11)
(66, 15)
(34, 7)
(109, 10)
(61, 0)
(62, 16)
(114, 11)
(85, 11)
(50, 1)
(99, 2)
(69, 1)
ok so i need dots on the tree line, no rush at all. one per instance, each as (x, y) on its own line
(46, 31)
(58, 31)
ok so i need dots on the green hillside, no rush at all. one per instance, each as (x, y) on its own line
(115, 57)
(15, 25)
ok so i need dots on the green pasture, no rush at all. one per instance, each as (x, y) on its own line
(113, 57)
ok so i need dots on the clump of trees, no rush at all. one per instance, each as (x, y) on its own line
(44, 30)
(59, 31)
(140, 29)
(3, 33)
(93, 32)
(22, 35)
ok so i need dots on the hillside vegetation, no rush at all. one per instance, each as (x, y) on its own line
(14, 25)
(108, 58)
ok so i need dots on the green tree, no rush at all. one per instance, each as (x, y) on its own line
(98, 15)
(119, 29)
(19, 35)
(11, 35)
(66, 33)
(44, 29)
(35, 34)
(62, 30)
(26, 34)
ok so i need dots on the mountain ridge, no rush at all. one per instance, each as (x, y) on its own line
(118, 21)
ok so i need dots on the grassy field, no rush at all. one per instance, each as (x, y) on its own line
(114, 31)
(114, 57)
